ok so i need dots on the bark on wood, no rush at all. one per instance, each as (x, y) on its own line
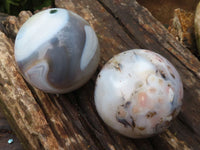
(182, 27)
(70, 121)
(5, 130)
(163, 10)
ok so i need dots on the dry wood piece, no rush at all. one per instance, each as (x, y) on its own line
(18, 104)
(12, 24)
(182, 27)
(70, 121)
(163, 10)
(5, 130)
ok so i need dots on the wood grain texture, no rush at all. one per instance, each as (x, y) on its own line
(5, 130)
(70, 121)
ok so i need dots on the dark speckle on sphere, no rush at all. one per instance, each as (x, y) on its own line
(53, 11)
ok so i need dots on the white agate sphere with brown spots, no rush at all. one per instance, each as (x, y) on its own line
(56, 50)
(138, 93)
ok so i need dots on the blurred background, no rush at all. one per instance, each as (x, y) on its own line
(163, 10)
(13, 7)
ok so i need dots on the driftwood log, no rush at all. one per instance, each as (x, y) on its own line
(70, 121)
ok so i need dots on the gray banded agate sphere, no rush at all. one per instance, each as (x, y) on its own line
(56, 50)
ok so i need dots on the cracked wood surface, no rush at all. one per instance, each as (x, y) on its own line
(70, 121)
(6, 132)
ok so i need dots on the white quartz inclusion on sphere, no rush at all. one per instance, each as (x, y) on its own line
(138, 93)
(56, 50)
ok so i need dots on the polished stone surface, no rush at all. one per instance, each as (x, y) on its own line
(138, 93)
(57, 51)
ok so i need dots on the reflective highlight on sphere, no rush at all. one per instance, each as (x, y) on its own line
(56, 51)
(138, 93)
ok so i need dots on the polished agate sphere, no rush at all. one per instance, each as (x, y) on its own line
(138, 93)
(56, 50)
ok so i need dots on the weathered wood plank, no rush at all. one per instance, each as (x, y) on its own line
(5, 130)
(148, 28)
(70, 121)
(166, 45)
(18, 104)
(147, 32)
